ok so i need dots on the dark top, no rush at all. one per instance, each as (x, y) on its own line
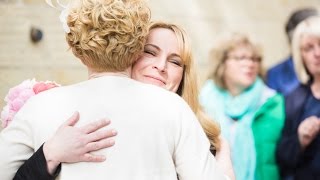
(282, 77)
(312, 107)
(36, 168)
(294, 163)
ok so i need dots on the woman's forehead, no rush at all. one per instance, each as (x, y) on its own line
(241, 48)
(164, 38)
(310, 36)
(161, 34)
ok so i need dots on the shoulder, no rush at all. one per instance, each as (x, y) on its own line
(174, 109)
(271, 102)
(157, 94)
(39, 104)
(54, 94)
(209, 90)
(296, 98)
(271, 115)
(55, 98)
(276, 98)
(207, 93)
(301, 89)
(297, 95)
(270, 96)
(208, 86)
(157, 98)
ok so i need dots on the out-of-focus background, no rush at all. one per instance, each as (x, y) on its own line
(204, 20)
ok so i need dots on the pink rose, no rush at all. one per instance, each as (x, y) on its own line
(16, 104)
(15, 91)
(43, 86)
(18, 95)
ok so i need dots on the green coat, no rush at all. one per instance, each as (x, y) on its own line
(267, 127)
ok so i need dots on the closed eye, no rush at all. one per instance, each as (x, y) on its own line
(176, 62)
(149, 52)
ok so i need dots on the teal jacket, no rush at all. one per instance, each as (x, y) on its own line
(267, 126)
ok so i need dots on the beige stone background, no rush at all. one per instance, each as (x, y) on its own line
(204, 20)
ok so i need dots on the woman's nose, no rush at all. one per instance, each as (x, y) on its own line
(317, 50)
(160, 65)
(250, 62)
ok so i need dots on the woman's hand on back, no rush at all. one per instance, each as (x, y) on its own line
(72, 144)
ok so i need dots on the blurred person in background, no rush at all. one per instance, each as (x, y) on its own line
(298, 152)
(251, 114)
(282, 77)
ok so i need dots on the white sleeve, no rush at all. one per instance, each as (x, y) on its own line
(15, 147)
(192, 156)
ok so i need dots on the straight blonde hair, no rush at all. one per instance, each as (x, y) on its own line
(189, 88)
(310, 26)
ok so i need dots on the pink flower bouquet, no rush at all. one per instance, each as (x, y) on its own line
(19, 94)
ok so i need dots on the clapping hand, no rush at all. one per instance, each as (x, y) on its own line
(308, 130)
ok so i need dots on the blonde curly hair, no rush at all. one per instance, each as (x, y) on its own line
(108, 35)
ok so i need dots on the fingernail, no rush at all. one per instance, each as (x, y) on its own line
(103, 158)
(111, 142)
(114, 132)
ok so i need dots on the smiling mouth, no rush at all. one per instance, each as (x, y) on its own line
(157, 79)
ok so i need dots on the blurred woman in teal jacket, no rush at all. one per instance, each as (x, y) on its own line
(251, 115)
